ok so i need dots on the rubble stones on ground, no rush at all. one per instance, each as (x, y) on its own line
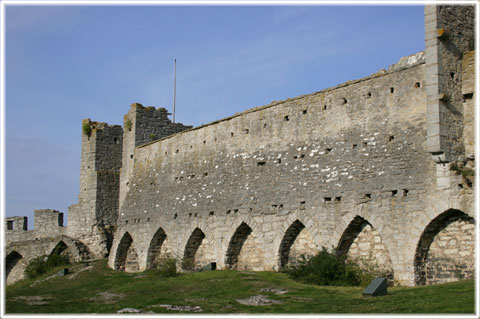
(259, 300)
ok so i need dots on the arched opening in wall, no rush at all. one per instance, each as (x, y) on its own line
(14, 267)
(361, 243)
(244, 251)
(445, 251)
(191, 249)
(296, 242)
(61, 250)
(126, 258)
(154, 256)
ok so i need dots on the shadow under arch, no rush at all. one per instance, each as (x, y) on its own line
(236, 243)
(362, 243)
(126, 258)
(191, 248)
(287, 241)
(427, 238)
(11, 261)
(154, 250)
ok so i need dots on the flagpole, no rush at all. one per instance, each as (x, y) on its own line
(174, 87)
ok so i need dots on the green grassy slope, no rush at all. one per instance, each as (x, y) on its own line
(99, 289)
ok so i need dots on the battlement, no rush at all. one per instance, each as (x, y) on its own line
(48, 221)
(16, 223)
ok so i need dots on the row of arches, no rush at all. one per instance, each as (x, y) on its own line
(443, 253)
(18, 258)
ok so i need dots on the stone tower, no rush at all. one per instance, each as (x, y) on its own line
(141, 126)
(93, 218)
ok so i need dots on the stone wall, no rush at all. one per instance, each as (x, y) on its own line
(358, 147)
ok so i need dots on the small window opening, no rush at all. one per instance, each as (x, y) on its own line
(460, 185)
(189, 214)
(417, 85)
(148, 219)
(274, 206)
(228, 211)
(392, 90)
(467, 96)
(327, 199)
(205, 174)
(131, 156)
(204, 142)
(304, 112)
(325, 107)
(369, 95)
(261, 163)
(235, 211)
(231, 134)
(405, 192)
(368, 195)
(126, 222)
(10, 225)
(175, 216)
(302, 205)
(354, 146)
(286, 118)
(344, 101)
(211, 213)
(328, 150)
(196, 214)
(394, 193)
(338, 199)
(281, 206)
(452, 75)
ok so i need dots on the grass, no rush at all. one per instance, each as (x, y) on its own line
(217, 291)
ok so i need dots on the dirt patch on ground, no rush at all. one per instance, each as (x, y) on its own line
(34, 300)
(179, 308)
(108, 297)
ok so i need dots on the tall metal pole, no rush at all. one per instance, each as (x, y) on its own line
(174, 87)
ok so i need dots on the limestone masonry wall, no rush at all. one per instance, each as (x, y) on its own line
(379, 169)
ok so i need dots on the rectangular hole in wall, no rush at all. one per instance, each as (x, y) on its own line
(467, 96)
(285, 118)
(328, 150)
(302, 205)
(228, 211)
(235, 211)
(327, 199)
(274, 206)
(368, 195)
(394, 193)
(262, 163)
(211, 213)
(10, 225)
(338, 198)
(304, 112)
(405, 192)
(205, 174)
(246, 131)
(392, 90)
(354, 146)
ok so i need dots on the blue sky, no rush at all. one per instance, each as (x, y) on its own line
(65, 63)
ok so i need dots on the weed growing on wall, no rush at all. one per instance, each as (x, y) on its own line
(87, 129)
(128, 125)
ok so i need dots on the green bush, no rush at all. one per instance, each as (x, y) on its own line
(152, 136)
(43, 264)
(128, 124)
(166, 267)
(326, 269)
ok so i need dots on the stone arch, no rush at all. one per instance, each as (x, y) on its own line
(74, 249)
(296, 241)
(154, 250)
(445, 250)
(193, 244)
(61, 249)
(14, 267)
(244, 252)
(361, 242)
(126, 258)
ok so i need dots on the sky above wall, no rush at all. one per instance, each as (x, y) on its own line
(66, 63)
